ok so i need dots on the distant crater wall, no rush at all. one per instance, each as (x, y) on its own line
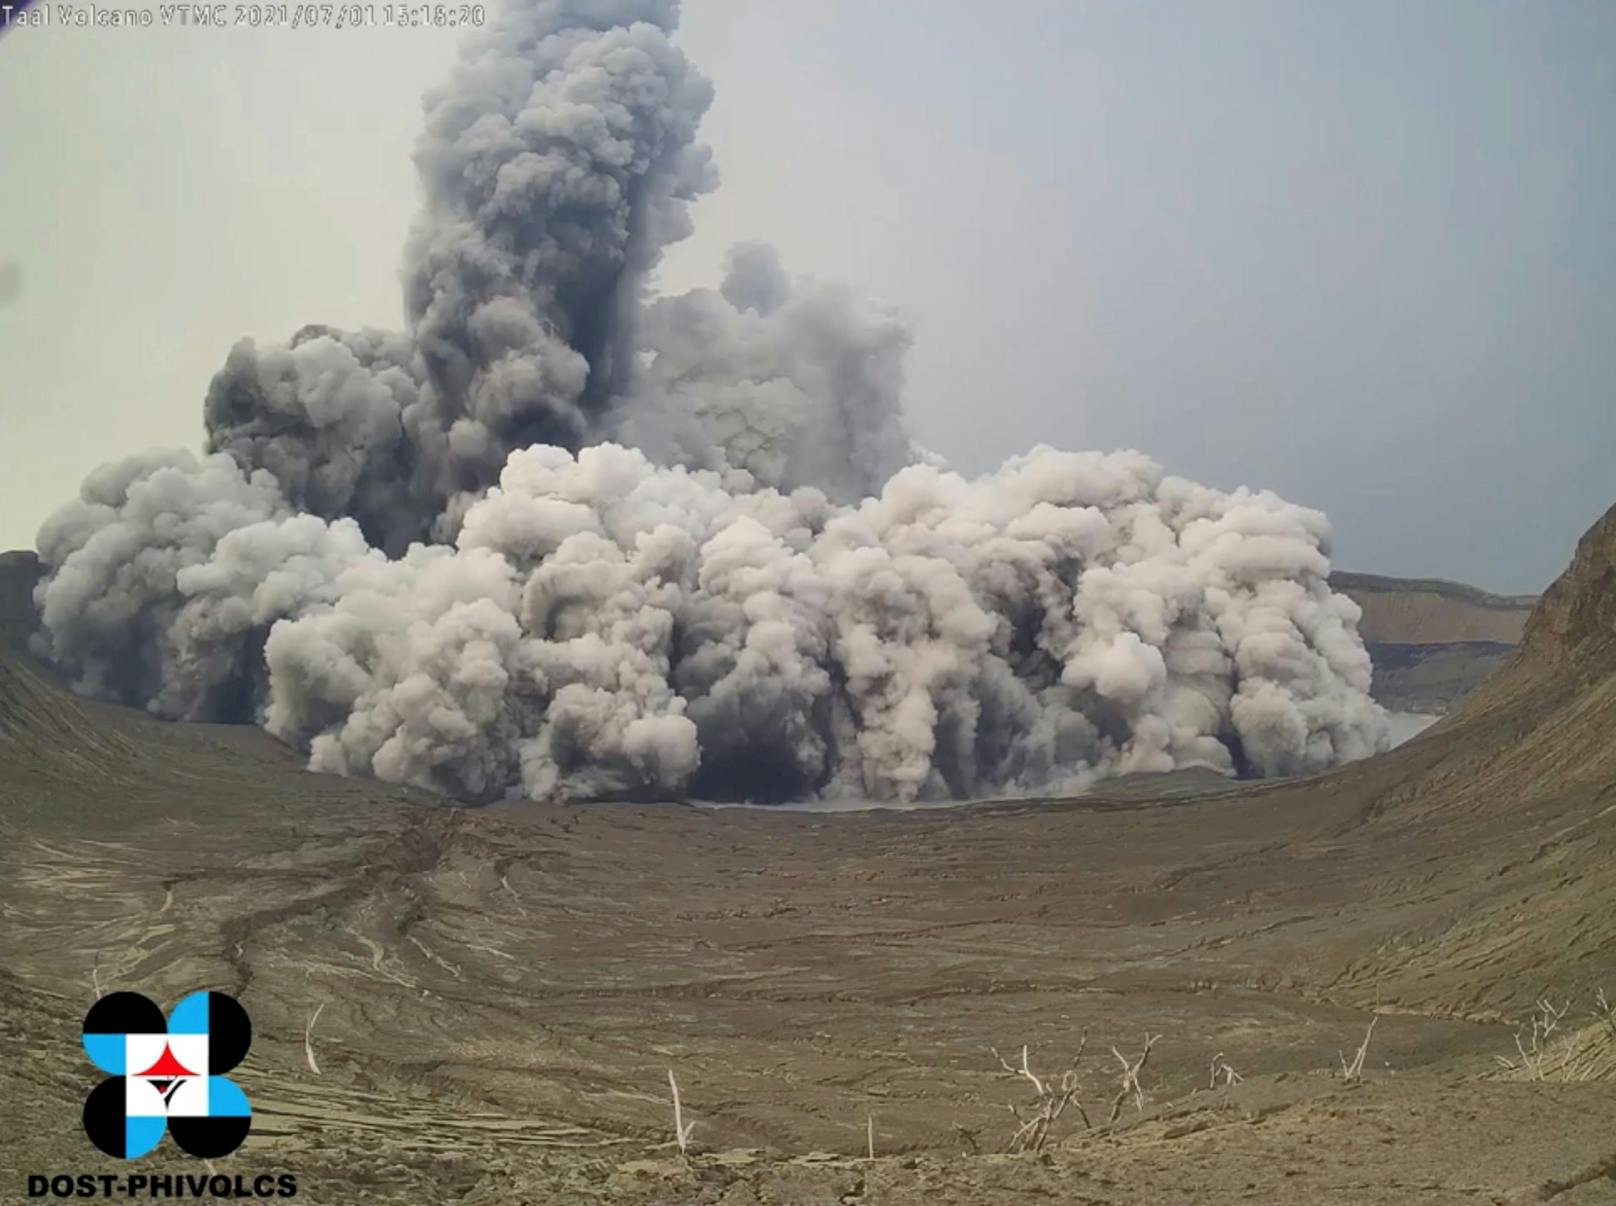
(1427, 611)
(1433, 642)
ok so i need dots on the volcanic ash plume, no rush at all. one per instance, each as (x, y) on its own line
(562, 538)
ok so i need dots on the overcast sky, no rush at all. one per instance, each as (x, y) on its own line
(1361, 253)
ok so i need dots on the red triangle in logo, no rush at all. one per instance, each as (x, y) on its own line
(167, 1067)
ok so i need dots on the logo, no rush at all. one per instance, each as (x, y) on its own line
(167, 1074)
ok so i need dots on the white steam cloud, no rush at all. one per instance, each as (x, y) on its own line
(561, 539)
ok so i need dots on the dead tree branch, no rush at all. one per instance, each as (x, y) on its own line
(1129, 1081)
(1221, 1072)
(1353, 1070)
(308, 1039)
(681, 1129)
(1051, 1100)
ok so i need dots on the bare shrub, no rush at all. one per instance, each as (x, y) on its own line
(1051, 1099)
(1221, 1073)
(1129, 1083)
(1545, 1051)
(1605, 1012)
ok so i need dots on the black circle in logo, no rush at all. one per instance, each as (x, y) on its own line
(208, 1137)
(126, 1013)
(104, 1118)
(229, 1033)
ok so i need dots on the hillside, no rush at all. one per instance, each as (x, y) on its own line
(502, 991)
(1574, 624)
(1556, 699)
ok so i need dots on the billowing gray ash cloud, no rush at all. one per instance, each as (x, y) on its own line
(562, 538)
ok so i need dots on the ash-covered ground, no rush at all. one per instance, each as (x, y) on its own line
(502, 991)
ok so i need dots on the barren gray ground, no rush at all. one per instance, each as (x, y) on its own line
(503, 990)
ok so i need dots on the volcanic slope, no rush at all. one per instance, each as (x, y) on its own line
(482, 1006)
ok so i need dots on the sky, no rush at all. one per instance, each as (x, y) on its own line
(1360, 254)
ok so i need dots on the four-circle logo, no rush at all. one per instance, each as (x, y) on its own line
(166, 1072)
